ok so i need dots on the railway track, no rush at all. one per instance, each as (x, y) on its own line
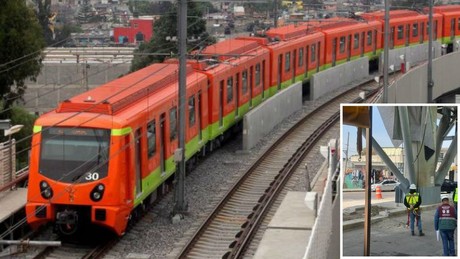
(76, 251)
(228, 230)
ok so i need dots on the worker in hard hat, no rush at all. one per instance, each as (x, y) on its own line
(445, 221)
(412, 201)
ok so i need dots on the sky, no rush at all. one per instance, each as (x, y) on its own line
(379, 134)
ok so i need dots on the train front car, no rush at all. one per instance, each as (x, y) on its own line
(75, 175)
(82, 159)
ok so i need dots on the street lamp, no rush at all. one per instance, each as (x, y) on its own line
(9, 132)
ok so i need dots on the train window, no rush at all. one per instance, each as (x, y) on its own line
(173, 123)
(191, 111)
(415, 30)
(458, 23)
(313, 53)
(69, 154)
(300, 57)
(244, 82)
(287, 62)
(151, 138)
(342, 45)
(229, 89)
(356, 41)
(369, 38)
(400, 32)
(257, 74)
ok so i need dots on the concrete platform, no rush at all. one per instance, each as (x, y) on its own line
(293, 213)
(12, 201)
(283, 243)
(289, 230)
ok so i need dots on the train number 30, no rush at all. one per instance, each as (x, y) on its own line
(92, 176)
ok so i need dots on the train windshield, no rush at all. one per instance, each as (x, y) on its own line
(74, 155)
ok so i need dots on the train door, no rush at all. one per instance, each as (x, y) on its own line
(407, 34)
(162, 143)
(280, 70)
(138, 161)
(221, 103)
(237, 94)
(349, 48)
(294, 66)
(198, 118)
(251, 81)
(363, 36)
(374, 50)
(263, 79)
(318, 61)
(435, 30)
(307, 52)
(452, 28)
(392, 38)
(422, 32)
(334, 51)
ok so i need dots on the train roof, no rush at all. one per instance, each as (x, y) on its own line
(344, 24)
(291, 31)
(445, 8)
(380, 15)
(114, 96)
(229, 48)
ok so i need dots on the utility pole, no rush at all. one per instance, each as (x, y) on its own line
(346, 153)
(385, 51)
(367, 198)
(430, 54)
(181, 205)
(86, 75)
(276, 13)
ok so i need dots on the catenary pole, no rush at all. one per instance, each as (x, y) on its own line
(385, 51)
(275, 22)
(180, 203)
(430, 53)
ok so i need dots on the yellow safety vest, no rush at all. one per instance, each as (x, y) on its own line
(412, 199)
(455, 196)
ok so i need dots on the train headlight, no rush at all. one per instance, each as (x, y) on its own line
(97, 192)
(96, 195)
(45, 190)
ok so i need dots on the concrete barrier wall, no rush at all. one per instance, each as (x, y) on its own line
(260, 121)
(338, 76)
(412, 86)
(412, 55)
(58, 82)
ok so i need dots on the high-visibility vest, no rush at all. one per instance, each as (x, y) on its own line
(455, 196)
(412, 199)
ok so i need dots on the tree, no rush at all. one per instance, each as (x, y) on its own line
(166, 28)
(21, 116)
(149, 8)
(85, 13)
(21, 45)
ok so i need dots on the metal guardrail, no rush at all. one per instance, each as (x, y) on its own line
(21, 175)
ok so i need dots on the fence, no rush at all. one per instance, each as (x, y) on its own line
(6, 162)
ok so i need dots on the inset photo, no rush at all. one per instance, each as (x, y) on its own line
(399, 177)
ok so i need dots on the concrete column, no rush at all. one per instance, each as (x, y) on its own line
(405, 128)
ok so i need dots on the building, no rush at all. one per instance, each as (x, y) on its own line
(139, 30)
